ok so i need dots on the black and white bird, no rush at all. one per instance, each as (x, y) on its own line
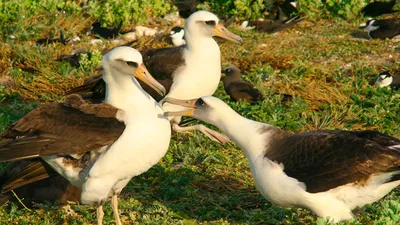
(104, 32)
(176, 35)
(188, 71)
(385, 79)
(382, 29)
(330, 172)
(98, 147)
(236, 88)
(378, 8)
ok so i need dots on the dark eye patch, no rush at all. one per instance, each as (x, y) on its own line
(210, 23)
(200, 102)
(131, 63)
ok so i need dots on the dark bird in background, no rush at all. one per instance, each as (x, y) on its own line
(382, 29)
(385, 79)
(34, 181)
(237, 88)
(187, 7)
(74, 57)
(285, 10)
(46, 41)
(374, 9)
(105, 32)
(271, 27)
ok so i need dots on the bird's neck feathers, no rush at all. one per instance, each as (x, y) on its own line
(124, 92)
(251, 136)
(201, 43)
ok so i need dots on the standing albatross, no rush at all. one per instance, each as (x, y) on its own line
(98, 147)
(330, 172)
(189, 71)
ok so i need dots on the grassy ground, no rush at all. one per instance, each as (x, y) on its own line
(198, 181)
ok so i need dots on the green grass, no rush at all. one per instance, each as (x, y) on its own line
(199, 181)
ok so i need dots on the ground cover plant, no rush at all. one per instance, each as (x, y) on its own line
(329, 73)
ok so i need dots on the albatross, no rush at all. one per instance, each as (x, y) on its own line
(189, 71)
(330, 172)
(98, 147)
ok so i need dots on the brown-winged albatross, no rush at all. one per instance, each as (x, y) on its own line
(237, 88)
(189, 71)
(384, 28)
(330, 172)
(98, 147)
(385, 79)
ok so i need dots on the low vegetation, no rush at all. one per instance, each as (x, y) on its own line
(329, 73)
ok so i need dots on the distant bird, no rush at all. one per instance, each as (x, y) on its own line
(176, 36)
(376, 8)
(105, 32)
(330, 172)
(271, 27)
(98, 147)
(74, 57)
(385, 79)
(286, 9)
(187, 7)
(382, 29)
(237, 88)
(46, 41)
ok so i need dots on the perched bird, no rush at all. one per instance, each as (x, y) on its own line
(330, 172)
(176, 36)
(105, 32)
(271, 27)
(382, 29)
(192, 70)
(98, 147)
(386, 79)
(376, 8)
(237, 88)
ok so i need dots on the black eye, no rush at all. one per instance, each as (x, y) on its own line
(228, 70)
(210, 23)
(200, 102)
(130, 63)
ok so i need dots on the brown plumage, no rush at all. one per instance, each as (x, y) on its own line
(161, 63)
(271, 27)
(34, 181)
(72, 127)
(237, 88)
(313, 159)
(61, 128)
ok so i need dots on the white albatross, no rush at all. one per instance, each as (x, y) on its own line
(98, 147)
(330, 172)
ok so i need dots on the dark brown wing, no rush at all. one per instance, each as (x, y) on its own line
(274, 26)
(61, 128)
(243, 90)
(19, 173)
(327, 159)
(162, 62)
(388, 28)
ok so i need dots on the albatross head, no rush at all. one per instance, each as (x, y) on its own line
(208, 109)
(127, 61)
(206, 24)
(384, 79)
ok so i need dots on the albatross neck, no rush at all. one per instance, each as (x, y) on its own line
(244, 132)
(124, 92)
(199, 43)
